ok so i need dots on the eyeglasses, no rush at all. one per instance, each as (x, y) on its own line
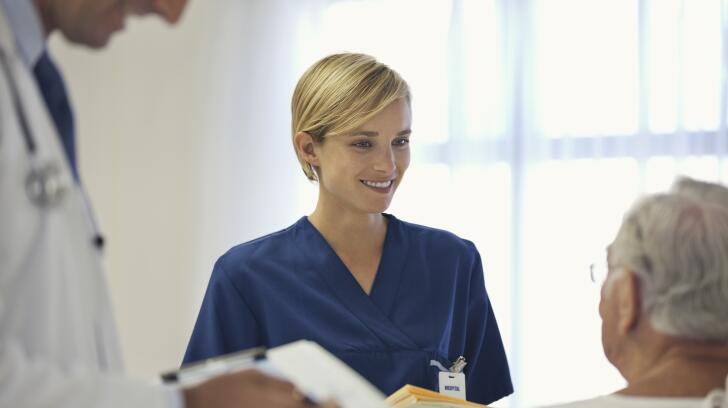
(598, 272)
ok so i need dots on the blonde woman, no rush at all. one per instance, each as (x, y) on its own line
(398, 302)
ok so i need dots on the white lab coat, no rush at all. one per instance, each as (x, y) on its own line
(58, 341)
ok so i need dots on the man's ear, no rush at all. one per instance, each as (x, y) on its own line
(170, 10)
(629, 302)
(305, 146)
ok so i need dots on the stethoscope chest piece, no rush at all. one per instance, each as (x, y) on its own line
(46, 185)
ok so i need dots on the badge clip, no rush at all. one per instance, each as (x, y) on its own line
(458, 365)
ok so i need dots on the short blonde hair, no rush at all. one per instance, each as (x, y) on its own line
(338, 94)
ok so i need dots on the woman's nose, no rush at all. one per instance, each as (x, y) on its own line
(385, 162)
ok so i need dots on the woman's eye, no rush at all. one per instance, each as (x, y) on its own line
(402, 141)
(362, 144)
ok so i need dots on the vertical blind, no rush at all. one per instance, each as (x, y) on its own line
(536, 124)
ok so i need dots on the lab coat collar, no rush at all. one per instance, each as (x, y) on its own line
(24, 22)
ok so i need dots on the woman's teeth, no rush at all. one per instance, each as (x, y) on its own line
(377, 184)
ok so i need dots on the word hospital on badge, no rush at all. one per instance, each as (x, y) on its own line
(452, 384)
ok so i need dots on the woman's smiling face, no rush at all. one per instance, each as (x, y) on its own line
(361, 170)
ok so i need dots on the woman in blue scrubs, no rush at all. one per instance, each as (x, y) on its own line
(394, 300)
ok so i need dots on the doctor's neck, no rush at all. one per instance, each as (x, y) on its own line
(44, 8)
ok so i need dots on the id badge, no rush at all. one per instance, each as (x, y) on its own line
(452, 384)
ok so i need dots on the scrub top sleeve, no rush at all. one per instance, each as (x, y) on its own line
(225, 323)
(487, 374)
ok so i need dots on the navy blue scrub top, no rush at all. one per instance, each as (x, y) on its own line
(427, 302)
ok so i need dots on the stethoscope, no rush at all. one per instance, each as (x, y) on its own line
(46, 184)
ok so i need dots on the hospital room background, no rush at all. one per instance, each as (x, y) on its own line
(536, 125)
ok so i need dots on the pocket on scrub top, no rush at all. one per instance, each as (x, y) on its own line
(390, 370)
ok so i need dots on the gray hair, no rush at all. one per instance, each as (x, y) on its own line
(701, 190)
(677, 245)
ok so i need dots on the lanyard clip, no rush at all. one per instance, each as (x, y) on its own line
(458, 365)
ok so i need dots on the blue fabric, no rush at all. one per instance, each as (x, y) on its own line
(428, 301)
(55, 96)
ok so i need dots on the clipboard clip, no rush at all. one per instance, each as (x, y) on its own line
(214, 366)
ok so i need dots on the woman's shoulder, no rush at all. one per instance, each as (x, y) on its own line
(276, 244)
(435, 238)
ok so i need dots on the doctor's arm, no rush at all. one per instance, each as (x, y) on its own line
(31, 383)
(247, 389)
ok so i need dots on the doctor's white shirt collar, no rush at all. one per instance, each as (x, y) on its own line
(27, 28)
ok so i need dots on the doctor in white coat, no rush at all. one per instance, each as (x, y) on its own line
(58, 342)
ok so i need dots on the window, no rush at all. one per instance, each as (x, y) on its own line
(536, 124)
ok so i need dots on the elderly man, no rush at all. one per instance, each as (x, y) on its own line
(58, 345)
(664, 303)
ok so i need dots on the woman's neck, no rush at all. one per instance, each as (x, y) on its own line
(356, 237)
(347, 230)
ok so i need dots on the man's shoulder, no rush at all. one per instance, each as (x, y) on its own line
(623, 401)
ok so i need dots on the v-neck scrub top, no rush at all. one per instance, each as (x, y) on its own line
(428, 302)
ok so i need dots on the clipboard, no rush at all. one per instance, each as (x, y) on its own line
(315, 372)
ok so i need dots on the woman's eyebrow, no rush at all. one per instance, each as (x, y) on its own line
(371, 133)
(367, 133)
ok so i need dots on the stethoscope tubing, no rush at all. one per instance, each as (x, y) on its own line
(20, 111)
(46, 184)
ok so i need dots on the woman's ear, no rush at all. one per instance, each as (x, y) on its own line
(305, 146)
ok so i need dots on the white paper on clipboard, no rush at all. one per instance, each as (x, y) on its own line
(321, 376)
(318, 374)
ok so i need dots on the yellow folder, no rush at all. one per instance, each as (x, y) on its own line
(416, 397)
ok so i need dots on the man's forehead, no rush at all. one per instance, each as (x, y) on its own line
(609, 253)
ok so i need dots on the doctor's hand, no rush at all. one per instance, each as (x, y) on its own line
(246, 389)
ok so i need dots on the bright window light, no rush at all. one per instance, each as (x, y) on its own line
(536, 164)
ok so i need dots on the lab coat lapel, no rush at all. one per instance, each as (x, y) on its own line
(49, 266)
(370, 311)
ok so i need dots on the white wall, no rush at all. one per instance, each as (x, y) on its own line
(183, 147)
